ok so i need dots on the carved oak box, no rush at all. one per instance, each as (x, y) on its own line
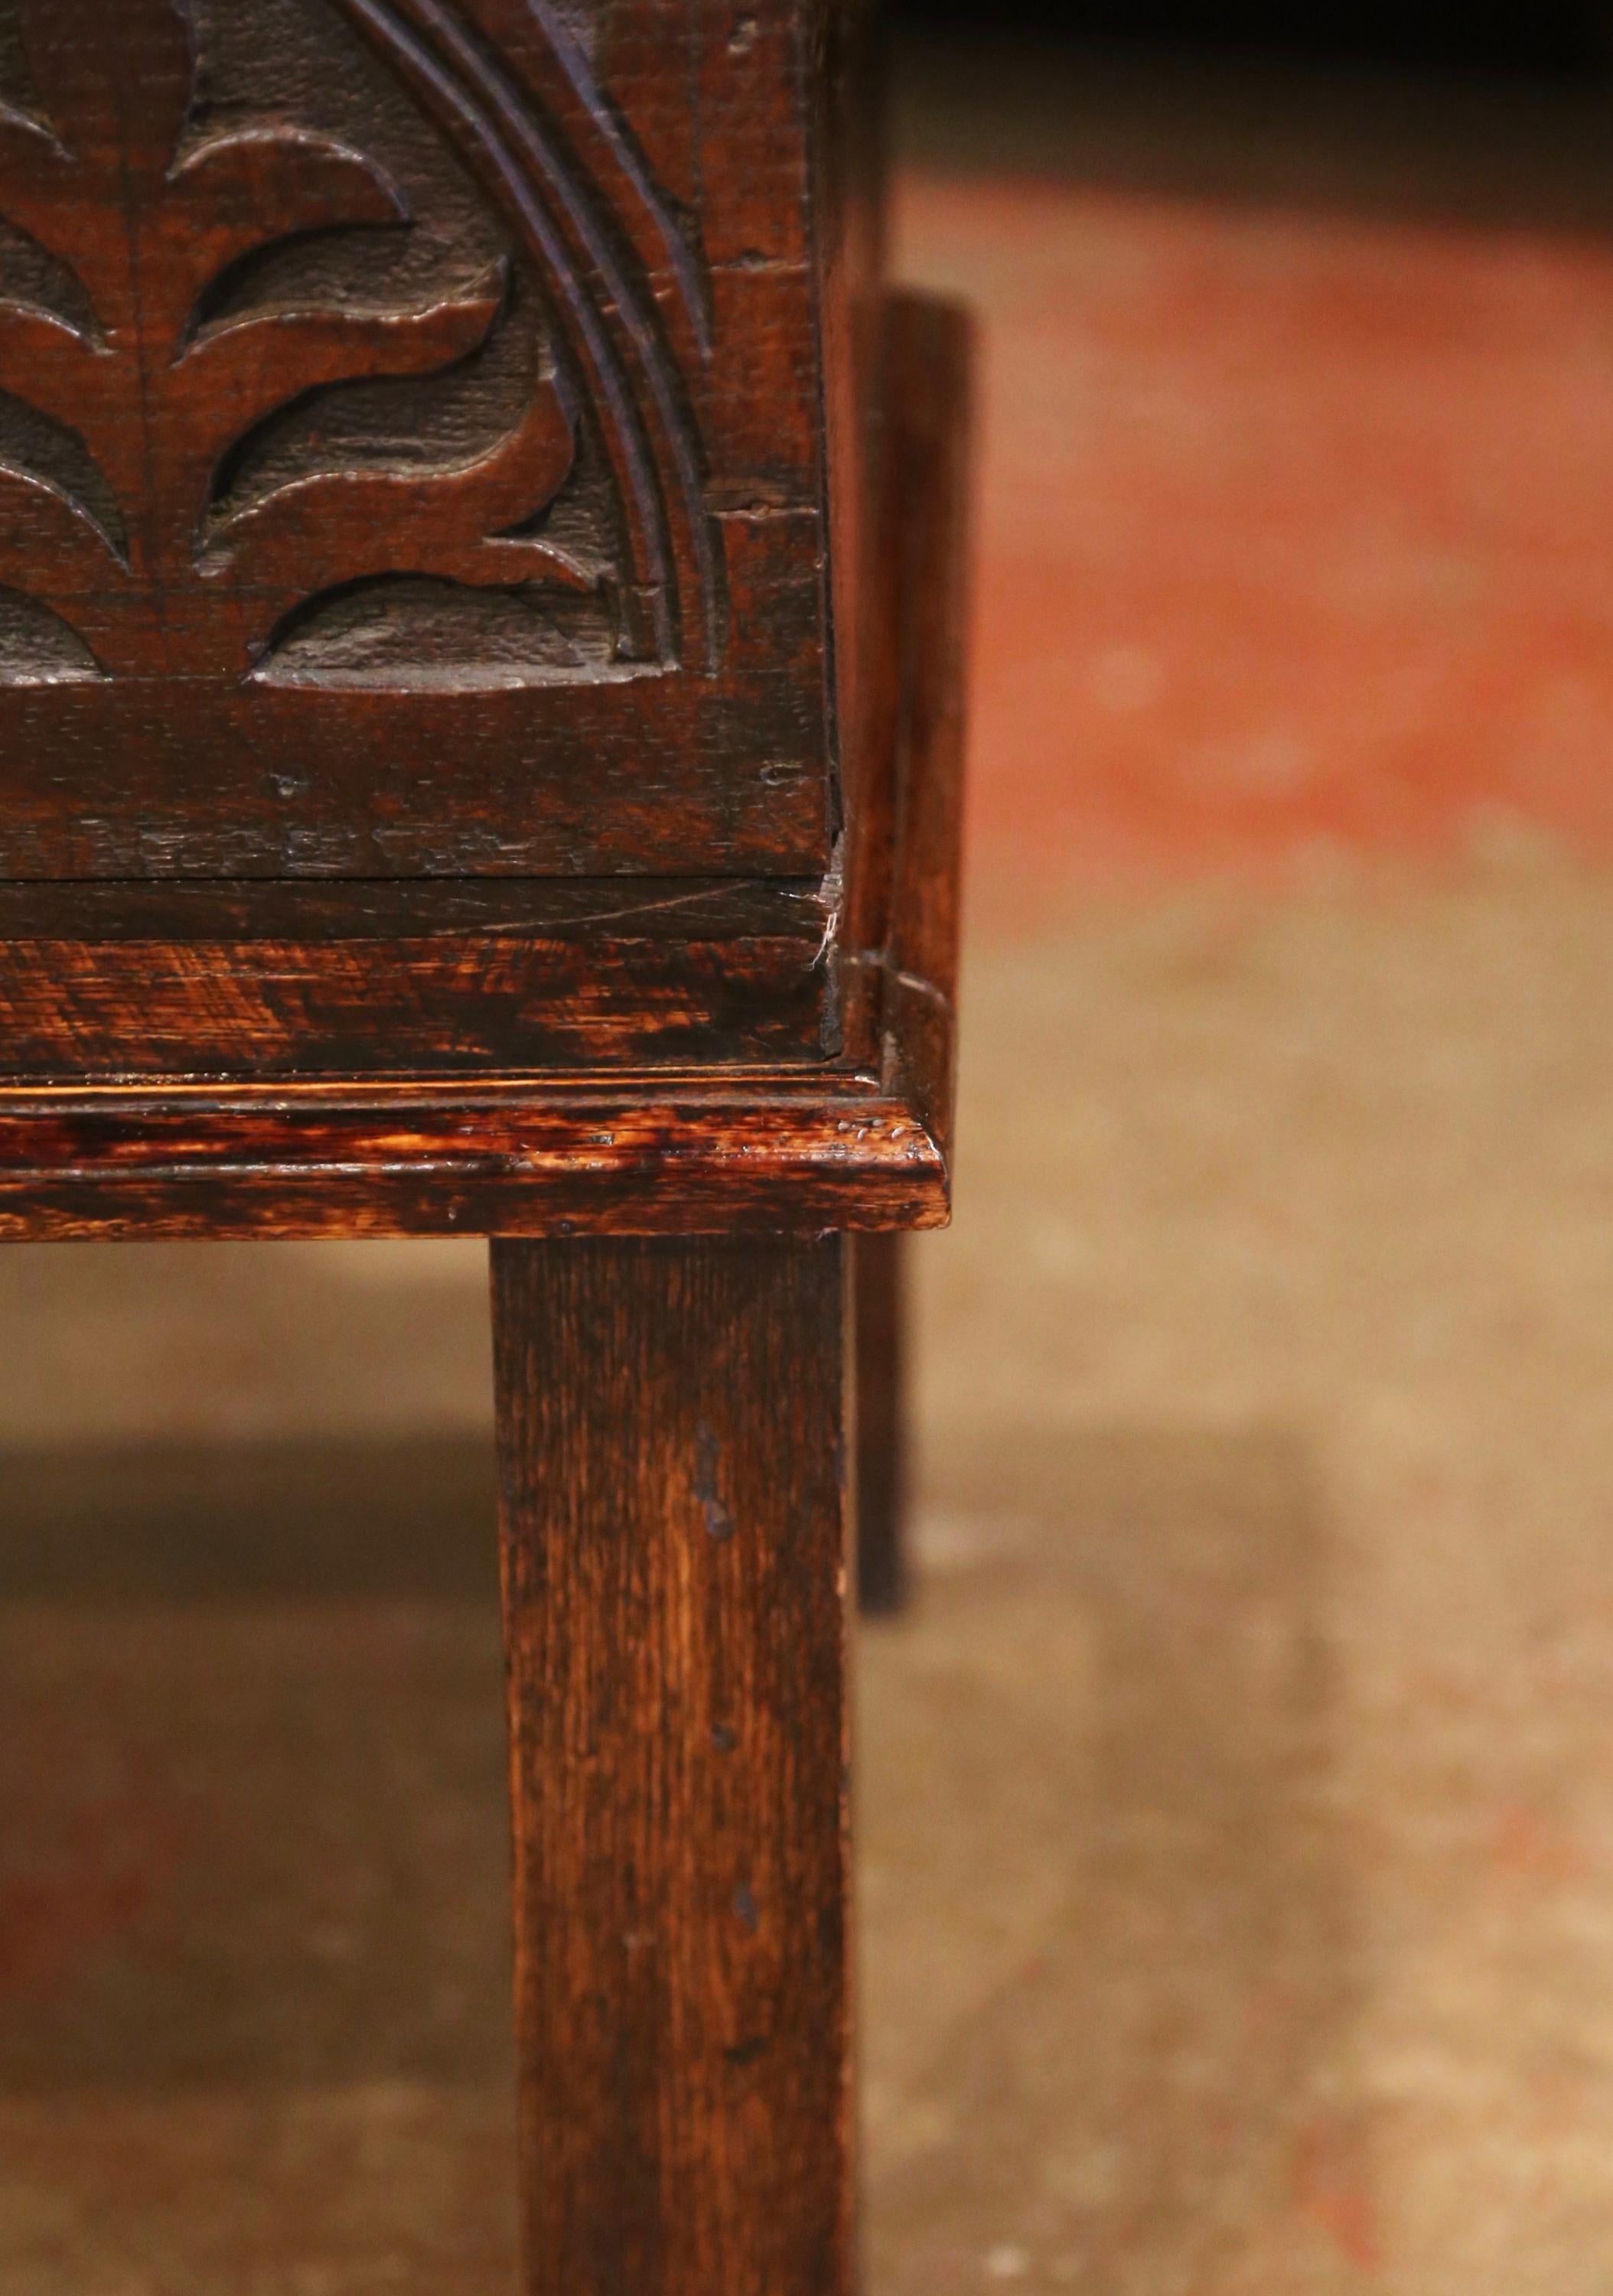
(434, 471)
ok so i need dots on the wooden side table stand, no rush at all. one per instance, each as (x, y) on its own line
(482, 574)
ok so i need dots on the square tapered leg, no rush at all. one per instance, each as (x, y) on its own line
(673, 1428)
(883, 1562)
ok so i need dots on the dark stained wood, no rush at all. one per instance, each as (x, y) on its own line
(482, 627)
(355, 980)
(868, 850)
(849, 87)
(664, 1155)
(595, 910)
(862, 1143)
(672, 1427)
(879, 1282)
(353, 1008)
(412, 436)
(932, 437)
(900, 942)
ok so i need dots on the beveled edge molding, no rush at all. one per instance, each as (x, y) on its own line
(747, 1155)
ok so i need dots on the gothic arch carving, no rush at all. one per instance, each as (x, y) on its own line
(325, 357)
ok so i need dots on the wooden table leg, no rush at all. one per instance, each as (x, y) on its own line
(880, 1269)
(672, 1418)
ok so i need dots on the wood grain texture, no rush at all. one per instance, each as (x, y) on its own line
(351, 1008)
(879, 1291)
(932, 446)
(658, 1155)
(411, 442)
(597, 910)
(903, 871)
(393, 980)
(862, 1143)
(672, 1430)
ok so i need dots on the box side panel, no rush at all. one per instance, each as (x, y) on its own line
(850, 211)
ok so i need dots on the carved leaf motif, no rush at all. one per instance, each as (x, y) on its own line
(228, 386)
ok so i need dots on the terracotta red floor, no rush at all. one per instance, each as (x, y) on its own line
(1297, 528)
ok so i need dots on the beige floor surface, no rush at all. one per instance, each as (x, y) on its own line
(1238, 1823)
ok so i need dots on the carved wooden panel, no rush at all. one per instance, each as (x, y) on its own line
(309, 416)
(411, 445)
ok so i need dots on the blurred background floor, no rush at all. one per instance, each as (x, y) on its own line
(1237, 1813)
